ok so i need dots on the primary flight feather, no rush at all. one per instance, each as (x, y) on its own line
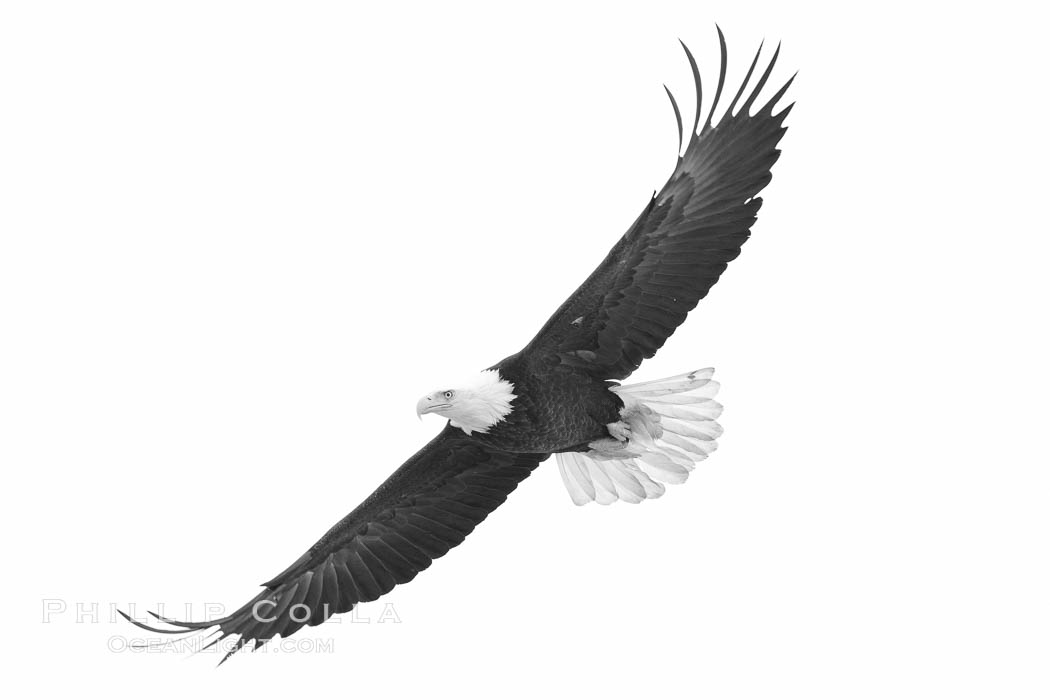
(560, 394)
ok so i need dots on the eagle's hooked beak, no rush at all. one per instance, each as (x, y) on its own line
(429, 404)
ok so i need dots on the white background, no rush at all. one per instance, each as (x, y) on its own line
(239, 240)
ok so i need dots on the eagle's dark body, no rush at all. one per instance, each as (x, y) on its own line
(557, 409)
(622, 314)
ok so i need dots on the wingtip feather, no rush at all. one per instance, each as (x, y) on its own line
(771, 104)
(149, 628)
(699, 91)
(723, 61)
(677, 116)
(761, 82)
(743, 84)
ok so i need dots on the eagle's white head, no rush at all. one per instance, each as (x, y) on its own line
(475, 405)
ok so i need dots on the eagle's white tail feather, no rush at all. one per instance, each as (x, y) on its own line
(673, 426)
(606, 482)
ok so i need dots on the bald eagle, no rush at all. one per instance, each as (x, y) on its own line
(561, 394)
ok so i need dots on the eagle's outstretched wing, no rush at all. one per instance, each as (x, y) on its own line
(679, 246)
(424, 509)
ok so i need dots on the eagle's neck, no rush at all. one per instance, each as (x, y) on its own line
(484, 402)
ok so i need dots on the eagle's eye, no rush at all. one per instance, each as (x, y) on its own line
(448, 394)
